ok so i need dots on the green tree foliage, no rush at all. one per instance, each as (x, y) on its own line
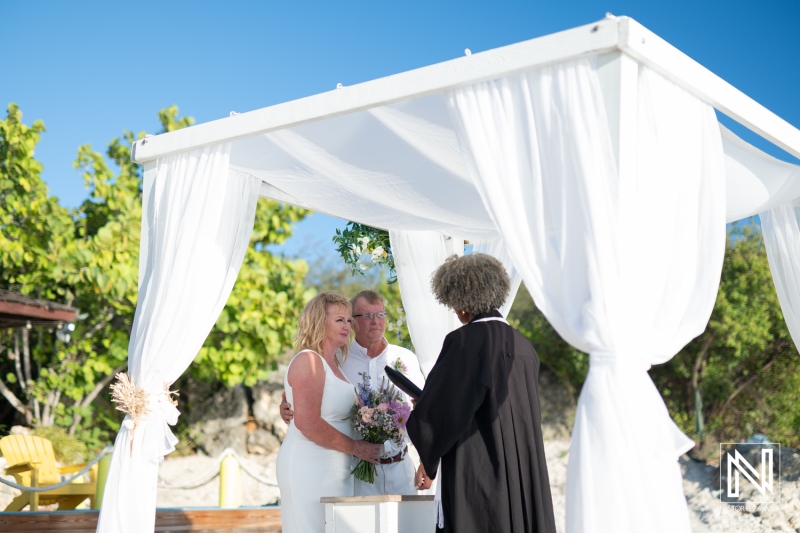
(33, 226)
(741, 375)
(89, 257)
(34, 233)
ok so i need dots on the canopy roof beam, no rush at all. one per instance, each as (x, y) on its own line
(622, 33)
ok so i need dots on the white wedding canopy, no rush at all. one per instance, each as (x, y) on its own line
(590, 161)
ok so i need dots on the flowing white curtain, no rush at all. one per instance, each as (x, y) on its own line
(781, 233)
(417, 254)
(625, 267)
(197, 222)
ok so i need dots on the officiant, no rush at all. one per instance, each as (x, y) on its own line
(479, 414)
(369, 353)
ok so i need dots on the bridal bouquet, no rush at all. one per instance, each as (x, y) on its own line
(378, 416)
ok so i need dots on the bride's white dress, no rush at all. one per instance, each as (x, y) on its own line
(307, 471)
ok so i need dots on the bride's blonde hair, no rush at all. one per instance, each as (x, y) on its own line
(311, 324)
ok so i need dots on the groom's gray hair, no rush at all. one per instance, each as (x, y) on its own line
(370, 296)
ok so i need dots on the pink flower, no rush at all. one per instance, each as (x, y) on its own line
(400, 367)
(366, 413)
(383, 407)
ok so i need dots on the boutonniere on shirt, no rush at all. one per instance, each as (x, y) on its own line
(400, 367)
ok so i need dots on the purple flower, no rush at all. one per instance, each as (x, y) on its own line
(364, 389)
(401, 412)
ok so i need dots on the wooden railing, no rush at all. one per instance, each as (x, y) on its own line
(262, 519)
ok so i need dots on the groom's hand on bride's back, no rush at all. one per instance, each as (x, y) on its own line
(286, 409)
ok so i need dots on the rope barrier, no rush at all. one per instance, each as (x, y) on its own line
(25, 488)
(213, 471)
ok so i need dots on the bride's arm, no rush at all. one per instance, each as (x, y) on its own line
(307, 379)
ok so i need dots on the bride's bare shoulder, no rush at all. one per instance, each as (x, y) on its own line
(305, 363)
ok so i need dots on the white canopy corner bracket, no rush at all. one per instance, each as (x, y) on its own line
(653, 51)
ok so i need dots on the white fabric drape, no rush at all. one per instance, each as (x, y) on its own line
(417, 254)
(198, 220)
(625, 267)
(399, 166)
(781, 234)
(755, 181)
(497, 248)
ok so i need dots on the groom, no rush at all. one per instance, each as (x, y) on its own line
(369, 353)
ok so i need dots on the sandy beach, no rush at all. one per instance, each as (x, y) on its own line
(707, 514)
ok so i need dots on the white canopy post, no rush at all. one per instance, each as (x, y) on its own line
(417, 254)
(197, 222)
(623, 260)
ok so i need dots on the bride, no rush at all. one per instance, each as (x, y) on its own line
(315, 458)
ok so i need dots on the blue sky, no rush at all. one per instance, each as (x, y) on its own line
(90, 69)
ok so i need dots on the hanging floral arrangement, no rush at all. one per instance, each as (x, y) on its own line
(363, 247)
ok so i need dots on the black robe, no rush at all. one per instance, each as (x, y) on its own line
(479, 414)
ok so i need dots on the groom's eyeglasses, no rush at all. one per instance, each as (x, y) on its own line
(369, 316)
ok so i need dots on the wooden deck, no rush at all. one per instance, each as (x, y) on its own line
(262, 519)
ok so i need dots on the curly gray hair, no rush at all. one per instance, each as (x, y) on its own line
(475, 283)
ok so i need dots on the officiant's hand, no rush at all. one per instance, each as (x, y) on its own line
(422, 481)
(286, 409)
(366, 451)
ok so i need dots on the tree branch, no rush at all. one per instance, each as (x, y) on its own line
(26, 356)
(102, 384)
(36, 414)
(18, 361)
(100, 325)
(699, 360)
(46, 413)
(89, 398)
(14, 401)
(747, 383)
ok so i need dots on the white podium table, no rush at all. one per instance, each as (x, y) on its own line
(379, 514)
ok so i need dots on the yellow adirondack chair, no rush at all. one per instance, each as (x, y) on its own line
(32, 462)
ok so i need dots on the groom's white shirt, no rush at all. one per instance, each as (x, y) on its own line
(395, 478)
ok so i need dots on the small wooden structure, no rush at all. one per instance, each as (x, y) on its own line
(18, 310)
(261, 519)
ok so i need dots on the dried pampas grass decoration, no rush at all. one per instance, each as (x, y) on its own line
(129, 399)
(134, 401)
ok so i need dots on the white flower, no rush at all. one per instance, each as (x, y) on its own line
(364, 241)
(362, 266)
(377, 253)
(356, 250)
